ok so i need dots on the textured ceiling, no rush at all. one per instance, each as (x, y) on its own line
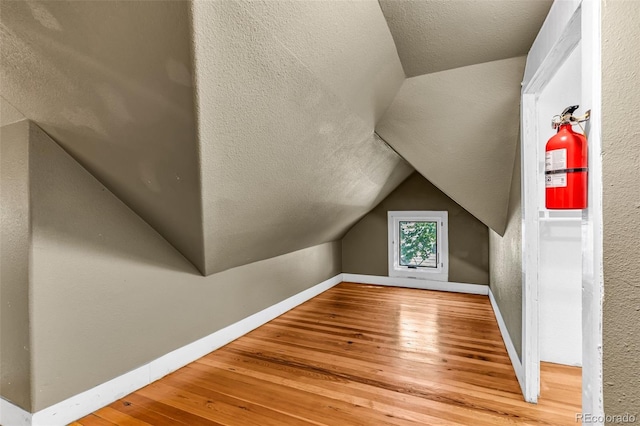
(8, 114)
(277, 152)
(459, 129)
(241, 130)
(436, 35)
(286, 105)
(111, 82)
(346, 45)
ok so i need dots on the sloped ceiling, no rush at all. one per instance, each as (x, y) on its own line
(459, 129)
(8, 114)
(111, 82)
(345, 45)
(436, 35)
(286, 106)
(456, 117)
(241, 130)
(277, 152)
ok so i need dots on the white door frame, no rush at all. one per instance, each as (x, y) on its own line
(569, 23)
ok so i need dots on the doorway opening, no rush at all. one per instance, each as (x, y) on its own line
(562, 249)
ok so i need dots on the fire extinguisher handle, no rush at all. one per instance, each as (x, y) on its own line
(570, 109)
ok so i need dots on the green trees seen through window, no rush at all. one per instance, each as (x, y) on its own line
(418, 242)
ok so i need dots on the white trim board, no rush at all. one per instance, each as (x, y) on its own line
(592, 235)
(12, 415)
(417, 283)
(93, 399)
(568, 22)
(559, 36)
(508, 343)
(545, 45)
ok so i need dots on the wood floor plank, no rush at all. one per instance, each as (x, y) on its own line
(94, 420)
(317, 409)
(212, 404)
(388, 401)
(176, 414)
(145, 414)
(358, 355)
(119, 418)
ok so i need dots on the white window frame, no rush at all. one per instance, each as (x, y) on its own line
(441, 272)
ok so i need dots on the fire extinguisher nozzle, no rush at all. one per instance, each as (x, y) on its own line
(570, 109)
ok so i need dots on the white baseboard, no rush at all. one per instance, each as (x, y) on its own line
(417, 283)
(12, 415)
(511, 349)
(93, 399)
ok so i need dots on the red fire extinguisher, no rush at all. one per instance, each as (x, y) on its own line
(565, 165)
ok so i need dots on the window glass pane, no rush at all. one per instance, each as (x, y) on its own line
(418, 243)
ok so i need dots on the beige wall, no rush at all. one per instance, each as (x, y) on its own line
(505, 261)
(450, 126)
(621, 206)
(15, 346)
(287, 102)
(109, 294)
(208, 118)
(111, 82)
(8, 114)
(365, 250)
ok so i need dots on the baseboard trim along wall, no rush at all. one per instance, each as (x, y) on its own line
(417, 283)
(11, 415)
(93, 399)
(511, 349)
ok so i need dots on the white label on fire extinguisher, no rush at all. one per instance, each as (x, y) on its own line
(555, 160)
(558, 180)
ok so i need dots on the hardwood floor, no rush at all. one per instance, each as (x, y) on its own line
(357, 355)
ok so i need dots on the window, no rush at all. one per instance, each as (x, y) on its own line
(419, 245)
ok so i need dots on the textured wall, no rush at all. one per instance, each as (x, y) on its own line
(621, 206)
(111, 82)
(459, 129)
(275, 138)
(365, 247)
(274, 134)
(434, 36)
(8, 114)
(110, 294)
(505, 261)
(15, 345)
(286, 103)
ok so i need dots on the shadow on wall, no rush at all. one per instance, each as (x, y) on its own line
(101, 280)
(72, 211)
(365, 249)
(108, 82)
(323, 215)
